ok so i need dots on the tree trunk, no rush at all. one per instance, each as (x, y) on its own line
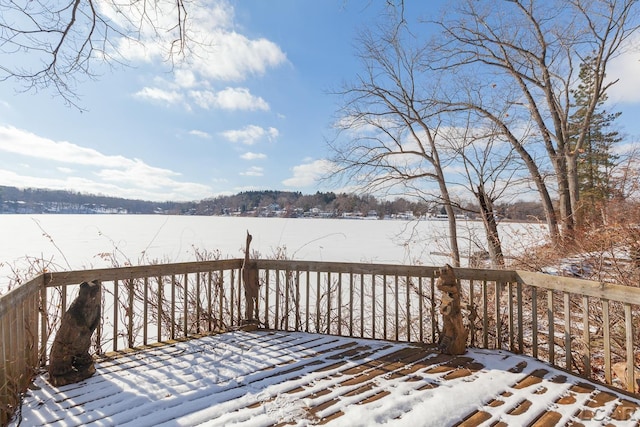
(564, 196)
(451, 216)
(545, 198)
(487, 212)
(453, 237)
(573, 186)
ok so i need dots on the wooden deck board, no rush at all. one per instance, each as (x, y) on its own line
(276, 378)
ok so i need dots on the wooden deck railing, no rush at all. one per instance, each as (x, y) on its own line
(583, 326)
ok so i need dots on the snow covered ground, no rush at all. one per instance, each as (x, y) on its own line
(67, 242)
(276, 378)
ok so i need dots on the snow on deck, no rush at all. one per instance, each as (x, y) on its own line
(265, 378)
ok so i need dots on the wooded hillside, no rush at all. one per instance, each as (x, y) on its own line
(251, 203)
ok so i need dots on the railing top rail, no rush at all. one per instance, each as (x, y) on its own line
(591, 288)
(576, 286)
(486, 274)
(15, 297)
(134, 272)
(346, 267)
(388, 269)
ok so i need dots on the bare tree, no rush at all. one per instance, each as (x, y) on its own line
(392, 124)
(534, 47)
(489, 167)
(54, 44)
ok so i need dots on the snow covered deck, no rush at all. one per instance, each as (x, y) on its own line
(265, 378)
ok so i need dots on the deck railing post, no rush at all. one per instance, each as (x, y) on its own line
(485, 315)
(209, 301)
(130, 285)
(116, 315)
(287, 308)
(434, 319)
(232, 301)
(307, 299)
(297, 300)
(499, 286)
(160, 297)
(197, 298)
(267, 277)
(567, 331)
(420, 309)
(586, 336)
(145, 311)
(384, 306)
(350, 304)
(339, 304)
(534, 321)
(472, 313)
(606, 337)
(328, 328)
(185, 315)
(361, 305)
(318, 299)
(551, 323)
(373, 306)
(396, 311)
(44, 320)
(520, 318)
(173, 307)
(408, 307)
(240, 299)
(631, 369)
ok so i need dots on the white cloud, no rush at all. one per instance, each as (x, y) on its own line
(626, 68)
(309, 174)
(186, 191)
(251, 134)
(95, 172)
(185, 78)
(156, 25)
(253, 156)
(214, 51)
(231, 99)
(253, 171)
(234, 57)
(272, 133)
(25, 143)
(159, 95)
(140, 174)
(200, 134)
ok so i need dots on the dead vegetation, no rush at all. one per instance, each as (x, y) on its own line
(602, 251)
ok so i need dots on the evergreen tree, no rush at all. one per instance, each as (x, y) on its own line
(596, 158)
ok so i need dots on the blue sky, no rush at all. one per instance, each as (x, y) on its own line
(252, 114)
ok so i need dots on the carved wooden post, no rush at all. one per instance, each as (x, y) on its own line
(251, 284)
(70, 360)
(454, 335)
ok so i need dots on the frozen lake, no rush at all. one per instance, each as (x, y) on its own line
(62, 242)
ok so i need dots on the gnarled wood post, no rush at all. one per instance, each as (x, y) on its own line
(454, 335)
(251, 284)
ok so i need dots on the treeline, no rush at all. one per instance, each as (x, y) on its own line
(249, 203)
(35, 200)
(261, 203)
(330, 204)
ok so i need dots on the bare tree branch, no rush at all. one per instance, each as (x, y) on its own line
(533, 45)
(56, 46)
